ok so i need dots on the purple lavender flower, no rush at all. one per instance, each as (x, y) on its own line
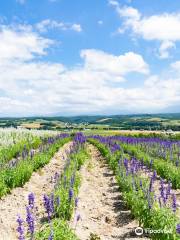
(174, 204)
(168, 190)
(30, 221)
(31, 199)
(154, 175)
(71, 193)
(162, 191)
(151, 185)
(126, 166)
(72, 181)
(80, 138)
(78, 217)
(52, 203)
(20, 228)
(48, 206)
(114, 147)
(178, 228)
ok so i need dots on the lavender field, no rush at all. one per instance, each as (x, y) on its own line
(76, 186)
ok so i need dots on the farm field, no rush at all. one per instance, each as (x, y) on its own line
(74, 186)
(139, 122)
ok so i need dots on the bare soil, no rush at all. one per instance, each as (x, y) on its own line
(104, 214)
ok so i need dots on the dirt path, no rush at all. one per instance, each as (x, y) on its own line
(102, 210)
(39, 183)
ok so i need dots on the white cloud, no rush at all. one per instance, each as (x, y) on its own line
(161, 27)
(21, 44)
(100, 61)
(47, 24)
(76, 27)
(129, 12)
(29, 85)
(164, 49)
(114, 3)
(165, 91)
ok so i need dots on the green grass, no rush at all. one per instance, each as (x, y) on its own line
(61, 231)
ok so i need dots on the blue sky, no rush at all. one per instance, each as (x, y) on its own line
(89, 57)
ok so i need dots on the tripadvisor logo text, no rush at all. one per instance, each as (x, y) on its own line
(140, 231)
